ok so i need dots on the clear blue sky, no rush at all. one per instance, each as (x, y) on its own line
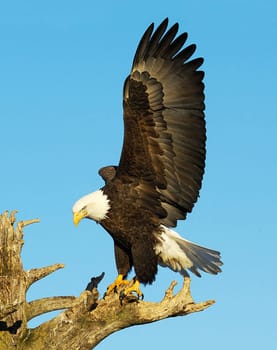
(62, 66)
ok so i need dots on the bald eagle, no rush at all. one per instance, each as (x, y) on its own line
(160, 171)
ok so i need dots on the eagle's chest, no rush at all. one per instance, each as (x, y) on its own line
(124, 223)
(127, 221)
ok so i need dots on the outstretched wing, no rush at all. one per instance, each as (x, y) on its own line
(164, 126)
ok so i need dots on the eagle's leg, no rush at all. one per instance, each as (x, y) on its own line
(119, 282)
(132, 291)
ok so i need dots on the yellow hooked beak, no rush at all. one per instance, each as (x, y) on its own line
(78, 216)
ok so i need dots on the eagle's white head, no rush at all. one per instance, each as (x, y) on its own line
(94, 206)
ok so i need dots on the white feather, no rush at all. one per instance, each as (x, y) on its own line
(97, 205)
(169, 251)
(180, 254)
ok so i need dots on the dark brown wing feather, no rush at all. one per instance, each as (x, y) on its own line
(107, 173)
(164, 126)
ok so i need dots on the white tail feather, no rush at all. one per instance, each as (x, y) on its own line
(179, 254)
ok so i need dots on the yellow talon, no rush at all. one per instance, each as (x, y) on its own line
(119, 282)
(129, 292)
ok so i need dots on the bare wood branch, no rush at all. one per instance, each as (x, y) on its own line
(34, 275)
(12, 216)
(172, 305)
(44, 305)
(29, 222)
(94, 320)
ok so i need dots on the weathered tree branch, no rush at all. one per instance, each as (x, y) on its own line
(86, 320)
(92, 320)
(42, 306)
(34, 275)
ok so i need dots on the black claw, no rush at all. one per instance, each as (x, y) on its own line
(130, 298)
(122, 295)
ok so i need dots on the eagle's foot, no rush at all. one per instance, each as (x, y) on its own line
(116, 285)
(132, 293)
